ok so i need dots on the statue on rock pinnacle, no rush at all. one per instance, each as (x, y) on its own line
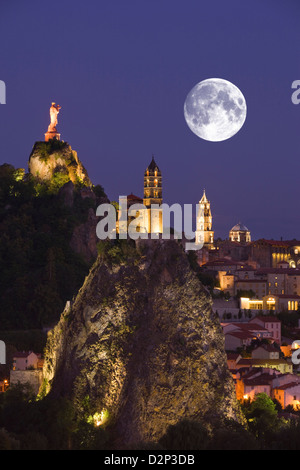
(52, 131)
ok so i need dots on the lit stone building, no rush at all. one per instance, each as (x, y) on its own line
(272, 253)
(204, 223)
(143, 215)
(240, 234)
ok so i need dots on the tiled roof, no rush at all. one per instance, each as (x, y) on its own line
(262, 361)
(240, 334)
(250, 326)
(263, 241)
(266, 319)
(22, 354)
(267, 347)
(285, 386)
(133, 197)
(263, 379)
(286, 296)
(223, 261)
(232, 356)
(291, 271)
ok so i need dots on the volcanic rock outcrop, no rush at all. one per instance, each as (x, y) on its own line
(56, 158)
(142, 343)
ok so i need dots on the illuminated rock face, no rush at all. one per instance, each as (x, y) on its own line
(56, 158)
(141, 341)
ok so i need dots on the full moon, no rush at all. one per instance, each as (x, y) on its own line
(215, 109)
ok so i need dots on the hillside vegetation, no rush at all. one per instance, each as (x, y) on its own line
(39, 269)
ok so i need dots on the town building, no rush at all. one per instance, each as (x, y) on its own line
(253, 383)
(270, 323)
(23, 360)
(242, 334)
(240, 234)
(270, 253)
(274, 303)
(288, 394)
(284, 387)
(256, 286)
(281, 365)
(265, 351)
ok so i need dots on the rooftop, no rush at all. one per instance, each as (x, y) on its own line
(153, 166)
(285, 386)
(266, 319)
(239, 228)
(132, 197)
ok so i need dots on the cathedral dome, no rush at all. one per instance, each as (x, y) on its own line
(239, 228)
(240, 233)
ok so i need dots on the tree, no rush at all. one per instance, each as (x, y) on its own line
(232, 436)
(245, 293)
(185, 435)
(262, 416)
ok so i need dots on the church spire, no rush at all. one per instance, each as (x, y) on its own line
(152, 184)
(153, 165)
(204, 198)
(204, 222)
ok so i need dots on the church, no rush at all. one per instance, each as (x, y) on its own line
(147, 217)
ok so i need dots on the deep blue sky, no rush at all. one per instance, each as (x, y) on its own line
(121, 71)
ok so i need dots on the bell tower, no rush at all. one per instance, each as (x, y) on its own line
(153, 195)
(204, 223)
(152, 185)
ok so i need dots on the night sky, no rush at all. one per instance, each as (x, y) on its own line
(121, 71)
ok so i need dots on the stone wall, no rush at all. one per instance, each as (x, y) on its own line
(31, 377)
